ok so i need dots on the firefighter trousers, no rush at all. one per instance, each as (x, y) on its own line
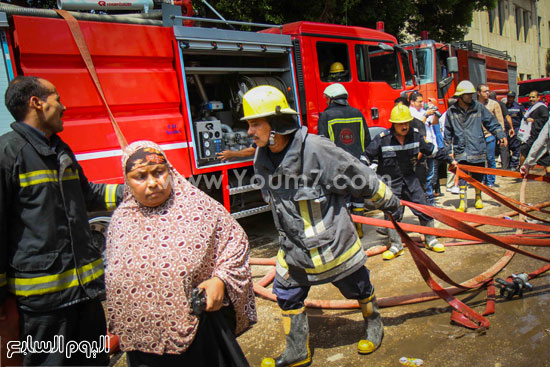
(357, 285)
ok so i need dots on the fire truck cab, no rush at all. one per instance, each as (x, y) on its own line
(441, 66)
(375, 69)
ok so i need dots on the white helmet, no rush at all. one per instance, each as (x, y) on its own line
(336, 90)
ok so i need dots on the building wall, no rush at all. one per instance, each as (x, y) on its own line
(521, 27)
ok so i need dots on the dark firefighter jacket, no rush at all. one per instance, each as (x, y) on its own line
(318, 242)
(47, 258)
(464, 133)
(345, 126)
(397, 162)
(516, 112)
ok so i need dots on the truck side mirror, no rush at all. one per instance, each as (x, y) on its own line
(452, 64)
(385, 46)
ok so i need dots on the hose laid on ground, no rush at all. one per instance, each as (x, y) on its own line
(466, 315)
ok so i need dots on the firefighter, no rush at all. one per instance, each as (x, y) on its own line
(337, 72)
(396, 152)
(347, 128)
(305, 178)
(464, 136)
(47, 258)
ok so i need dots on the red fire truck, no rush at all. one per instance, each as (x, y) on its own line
(441, 66)
(181, 86)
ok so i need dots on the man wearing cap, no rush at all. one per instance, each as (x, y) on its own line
(347, 128)
(305, 178)
(464, 135)
(516, 112)
(397, 151)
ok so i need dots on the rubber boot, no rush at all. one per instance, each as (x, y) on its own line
(373, 323)
(395, 247)
(431, 242)
(297, 352)
(463, 206)
(479, 202)
(358, 226)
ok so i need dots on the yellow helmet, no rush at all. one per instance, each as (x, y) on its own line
(464, 87)
(336, 67)
(400, 114)
(263, 101)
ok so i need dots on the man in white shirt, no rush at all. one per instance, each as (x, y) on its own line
(429, 118)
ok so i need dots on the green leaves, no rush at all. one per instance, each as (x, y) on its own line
(445, 20)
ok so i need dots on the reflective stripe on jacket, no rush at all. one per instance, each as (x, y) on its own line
(396, 161)
(346, 127)
(48, 258)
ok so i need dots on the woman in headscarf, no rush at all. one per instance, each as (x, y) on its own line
(164, 240)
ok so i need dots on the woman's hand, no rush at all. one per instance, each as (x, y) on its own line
(215, 292)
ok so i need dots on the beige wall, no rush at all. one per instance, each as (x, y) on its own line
(530, 57)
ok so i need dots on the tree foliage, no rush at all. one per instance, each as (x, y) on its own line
(445, 20)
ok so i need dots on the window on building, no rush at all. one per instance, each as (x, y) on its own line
(538, 31)
(492, 14)
(501, 17)
(521, 76)
(335, 55)
(526, 25)
(518, 22)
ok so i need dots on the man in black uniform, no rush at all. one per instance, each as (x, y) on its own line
(516, 112)
(347, 128)
(47, 258)
(396, 150)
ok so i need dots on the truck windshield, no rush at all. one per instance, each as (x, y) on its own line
(542, 86)
(425, 65)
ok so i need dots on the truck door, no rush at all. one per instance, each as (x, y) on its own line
(443, 77)
(317, 74)
(379, 81)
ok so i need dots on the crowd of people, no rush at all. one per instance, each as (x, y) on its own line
(178, 281)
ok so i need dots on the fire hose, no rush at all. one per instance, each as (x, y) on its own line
(462, 314)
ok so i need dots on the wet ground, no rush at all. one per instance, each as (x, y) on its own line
(519, 333)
